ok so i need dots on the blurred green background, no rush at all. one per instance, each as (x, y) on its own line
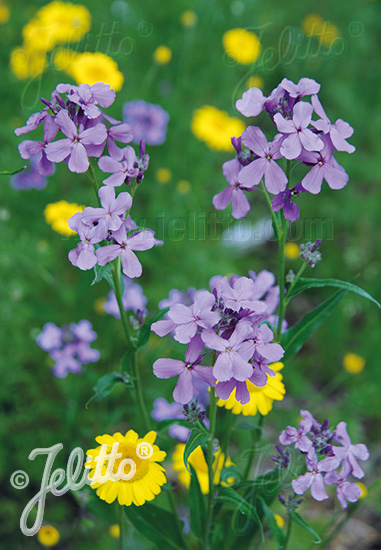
(38, 284)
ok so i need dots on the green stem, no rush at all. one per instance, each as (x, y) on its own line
(282, 242)
(297, 277)
(228, 429)
(93, 178)
(123, 525)
(212, 429)
(139, 391)
(288, 533)
(256, 439)
(277, 229)
(179, 525)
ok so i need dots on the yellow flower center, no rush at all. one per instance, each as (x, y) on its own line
(142, 464)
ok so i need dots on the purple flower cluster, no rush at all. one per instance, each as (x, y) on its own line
(299, 137)
(74, 115)
(69, 346)
(327, 463)
(148, 121)
(233, 322)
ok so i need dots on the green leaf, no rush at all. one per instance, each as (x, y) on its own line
(227, 494)
(104, 386)
(12, 172)
(156, 524)
(103, 272)
(145, 331)
(293, 339)
(196, 505)
(196, 438)
(300, 521)
(305, 284)
(276, 531)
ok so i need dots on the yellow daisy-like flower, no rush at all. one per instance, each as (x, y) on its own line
(58, 213)
(65, 22)
(162, 55)
(261, 399)
(4, 14)
(255, 82)
(149, 476)
(90, 68)
(242, 46)
(312, 25)
(163, 175)
(25, 63)
(188, 18)
(216, 127)
(291, 251)
(197, 460)
(64, 59)
(114, 531)
(48, 535)
(353, 363)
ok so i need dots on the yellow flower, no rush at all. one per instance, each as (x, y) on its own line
(163, 175)
(99, 306)
(149, 476)
(61, 21)
(26, 63)
(58, 213)
(64, 59)
(242, 46)
(37, 37)
(354, 364)
(255, 82)
(279, 520)
(292, 251)
(216, 127)
(48, 535)
(183, 187)
(328, 34)
(162, 55)
(312, 24)
(4, 14)
(364, 489)
(90, 68)
(188, 18)
(261, 398)
(114, 531)
(197, 460)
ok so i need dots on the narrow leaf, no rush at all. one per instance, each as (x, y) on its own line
(12, 172)
(293, 339)
(104, 386)
(300, 521)
(305, 284)
(227, 494)
(196, 438)
(196, 505)
(156, 524)
(276, 531)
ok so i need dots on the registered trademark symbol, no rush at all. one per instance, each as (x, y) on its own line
(356, 29)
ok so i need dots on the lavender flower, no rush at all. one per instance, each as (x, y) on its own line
(30, 177)
(312, 479)
(348, 454)
(309, 253)
(234, 193)
(133, 299)
(284, 201)
(166, 411)
(122, 170)
(148, 121)
(338, 132)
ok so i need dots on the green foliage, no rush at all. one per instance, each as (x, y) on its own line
(304, 284)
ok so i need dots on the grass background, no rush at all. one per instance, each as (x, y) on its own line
(38, 284)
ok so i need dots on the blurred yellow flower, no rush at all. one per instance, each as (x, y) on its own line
(58, 213)
(149, 476)
(57, 23)
(99, 306)
(279, 520)
(4, 14)
(25, 63)
(364, 489)
(197, 460)
(162, 55)
(353, 363)
(163, 175)
(188, 18)
(261, 399)
(242, 46)
(183, 187)
(48, 535)
(312, 24)
(329, 34)
(89, 68)
(291, 251)
(216, 127)
(64, 59)
(114, 531)
(255, 82)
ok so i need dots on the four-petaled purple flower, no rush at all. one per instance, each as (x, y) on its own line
(299, 436)
(284, 200)
(312, 479)
(348, 454)
(122, 169)
(234, 193)
(339, 132)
